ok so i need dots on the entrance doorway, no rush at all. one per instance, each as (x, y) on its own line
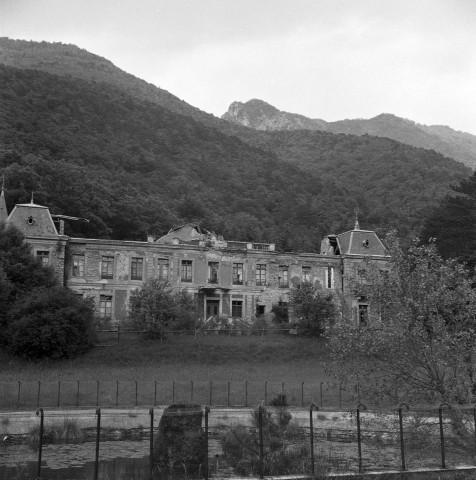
(213, 307)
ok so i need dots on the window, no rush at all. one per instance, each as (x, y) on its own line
(105, 306)
(261, 274)
(237, 274)
(363, 314)
(78, 265)
(283, 277)
(330, 277)
(163, 268)
(107, 267)
(43, 256)
(236, 308)
(136, 268)
(306, 274)
(186, 275)
(212, 272)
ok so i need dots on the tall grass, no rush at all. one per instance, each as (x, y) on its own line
(276, 357)
(66, 432)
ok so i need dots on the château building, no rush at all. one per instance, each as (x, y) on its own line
(233, 278)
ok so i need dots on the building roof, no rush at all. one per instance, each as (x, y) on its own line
(32, 220)
(360, 242)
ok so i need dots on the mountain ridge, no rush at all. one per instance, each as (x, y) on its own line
(260, 115)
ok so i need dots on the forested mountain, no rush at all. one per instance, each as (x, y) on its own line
(89, 145)
(454, 144)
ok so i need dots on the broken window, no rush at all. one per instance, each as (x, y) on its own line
(306, 274)
(283, 276)
(43, 256)
(136, 268)
(105, 306)
(163, 268)
(261, 274)
(363, 314)
(212, 272)
(107, 267)
(237, 274)
(237, 308)
(78, 265)
(186, 275)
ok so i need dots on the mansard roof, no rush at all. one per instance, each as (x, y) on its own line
(360, 242)
(32, 220)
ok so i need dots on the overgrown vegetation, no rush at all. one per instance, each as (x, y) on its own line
(38, 317)
(157, 309)
(67, 431)
(314, 310)
(419, 336)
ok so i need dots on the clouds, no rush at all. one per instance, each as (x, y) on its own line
(327, 59)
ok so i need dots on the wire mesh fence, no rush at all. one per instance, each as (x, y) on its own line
(189, 441)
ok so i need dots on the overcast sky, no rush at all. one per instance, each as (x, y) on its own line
(330, 59)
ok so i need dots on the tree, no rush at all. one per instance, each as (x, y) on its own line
(453, 224)
(419, 336)
(20, 273)
(156, 309)
(313, 309)
(50, 323)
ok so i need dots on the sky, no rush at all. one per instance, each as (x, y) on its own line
(331, 59)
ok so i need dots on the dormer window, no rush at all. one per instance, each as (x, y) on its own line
(366, 243)
(31, 220)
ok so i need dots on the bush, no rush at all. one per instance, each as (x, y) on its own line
(313, 309)
(285, 445)
(50, 323)
(157, 309)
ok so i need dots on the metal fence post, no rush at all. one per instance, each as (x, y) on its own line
(211, 393)
(77, 395)
(400, 420)
(442, 437)
(359, 439)
(97, 393)
(228, 395)
(40, 441)
(59, 392)
(19, 393)
(98, 435)
(246, 393)
(340, 395)
(320, 392)
(266, 393)
(474, 416)
(173, 391)
(191, 391)
(207, 409)
(261, 448)
(302, 394)
(151, 453)
(136, 391)
(155, 393)
(117, 393)
(312, 407)
(282, 388)
(38, 397)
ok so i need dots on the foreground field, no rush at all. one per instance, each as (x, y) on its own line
(282, 358)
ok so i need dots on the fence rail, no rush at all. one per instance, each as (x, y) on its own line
(351, 441)
(138, 393)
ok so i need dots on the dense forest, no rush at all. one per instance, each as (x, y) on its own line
(94, 148)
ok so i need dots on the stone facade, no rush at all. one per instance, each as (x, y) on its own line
(231, 278)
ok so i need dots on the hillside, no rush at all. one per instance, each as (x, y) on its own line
(460, 146)
(69, 60)
(132, 168)
(90, 145)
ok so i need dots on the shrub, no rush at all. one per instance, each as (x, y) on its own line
(50, 323)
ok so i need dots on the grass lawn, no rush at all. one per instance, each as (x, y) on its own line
(243, 370)
(221, 358)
